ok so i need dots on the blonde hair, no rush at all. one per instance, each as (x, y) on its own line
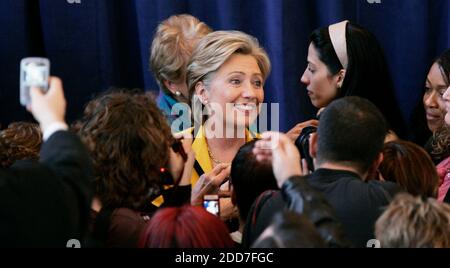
(214, 50)
(172, 46)
(414, 222)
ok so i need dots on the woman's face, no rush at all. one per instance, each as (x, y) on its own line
(236, 91)
(321, 85)
(447, 106)
(432, 99)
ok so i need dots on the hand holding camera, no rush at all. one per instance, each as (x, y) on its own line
(296, 131)
(279, 149)
(302, 144)
(48, 108)
(42, 95)
(210, 183)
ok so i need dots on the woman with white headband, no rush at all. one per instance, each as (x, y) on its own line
(345, 59)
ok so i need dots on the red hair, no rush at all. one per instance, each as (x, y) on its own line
(185, 227)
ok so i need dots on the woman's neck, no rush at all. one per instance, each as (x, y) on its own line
(223, 149)
(225, 143)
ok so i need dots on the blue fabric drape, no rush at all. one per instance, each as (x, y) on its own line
(97, 44)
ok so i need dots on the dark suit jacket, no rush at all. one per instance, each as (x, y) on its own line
(357, 204)
(46, 203)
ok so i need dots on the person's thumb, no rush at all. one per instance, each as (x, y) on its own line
(218, 169)
(36, 96)
(56, 86)
(222, 176)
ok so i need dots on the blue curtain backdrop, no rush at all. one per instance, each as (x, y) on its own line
(97, 44)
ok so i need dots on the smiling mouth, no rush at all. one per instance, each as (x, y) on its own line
(432, 117)
(433, 114)
(247, 107)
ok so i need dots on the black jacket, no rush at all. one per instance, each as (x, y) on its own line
(46, 203)
(357, 204)
(298, 196)
(447, 197)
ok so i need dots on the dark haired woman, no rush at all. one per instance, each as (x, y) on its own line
(131, 147)
(345, 59)
(429, 124)
(410, 166)
(443, 137)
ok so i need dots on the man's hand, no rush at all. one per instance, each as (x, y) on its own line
(210, 183)
(228, 211)
(280, 150)
(295, 131)
(48, 108)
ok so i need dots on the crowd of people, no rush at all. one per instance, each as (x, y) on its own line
(133, 172)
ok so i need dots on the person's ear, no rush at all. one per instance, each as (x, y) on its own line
(313, 145)
(341, 77)
(201, 92)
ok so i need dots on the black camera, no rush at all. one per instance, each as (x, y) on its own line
(302, 144)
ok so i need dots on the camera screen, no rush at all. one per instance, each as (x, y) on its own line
(35, 74)
(212, 206)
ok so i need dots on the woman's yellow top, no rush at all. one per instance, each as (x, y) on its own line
(203, 161)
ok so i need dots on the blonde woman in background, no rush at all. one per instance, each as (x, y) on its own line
(172, 46)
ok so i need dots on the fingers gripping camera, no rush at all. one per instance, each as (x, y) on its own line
(302, 144)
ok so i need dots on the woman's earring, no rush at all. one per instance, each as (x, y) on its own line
(178, 93)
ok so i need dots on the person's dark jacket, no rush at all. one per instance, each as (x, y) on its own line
(298, 196)
(46, 203)
(357, 204)
(447, 197)
(122, 227)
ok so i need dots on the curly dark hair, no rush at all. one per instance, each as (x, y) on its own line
(440, 143)
(128, 139)
(21, 141)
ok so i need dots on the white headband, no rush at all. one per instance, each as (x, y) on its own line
(339, 41)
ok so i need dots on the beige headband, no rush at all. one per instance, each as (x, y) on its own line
(339, 41)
